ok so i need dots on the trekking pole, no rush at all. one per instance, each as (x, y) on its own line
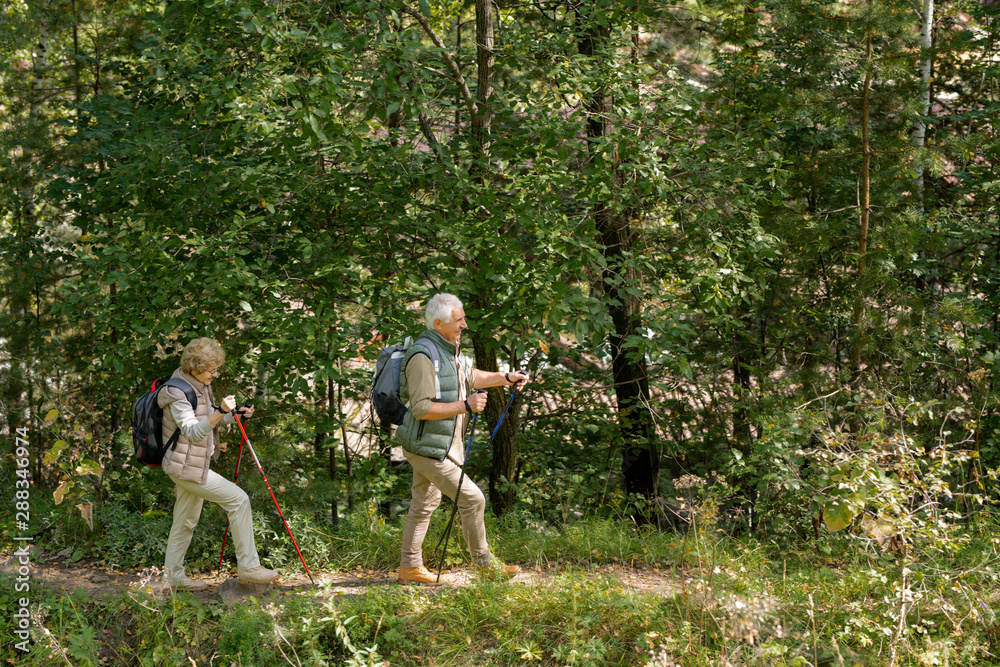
(496, 429)
(504, 414)
(239, 423)
(236, 475)
(458, 494)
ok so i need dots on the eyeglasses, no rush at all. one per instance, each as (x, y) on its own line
(214, 373)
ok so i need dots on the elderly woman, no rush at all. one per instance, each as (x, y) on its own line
(187, 464)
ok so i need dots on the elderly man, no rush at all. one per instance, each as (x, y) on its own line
(440, 404)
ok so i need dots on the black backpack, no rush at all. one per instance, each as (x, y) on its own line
(385, 384)
(147, 423)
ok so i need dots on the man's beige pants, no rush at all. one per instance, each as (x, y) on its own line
(187, 511)
(430, 479)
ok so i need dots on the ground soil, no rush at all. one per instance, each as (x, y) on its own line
(97, 581)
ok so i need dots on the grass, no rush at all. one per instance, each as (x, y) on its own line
(571, 619)
(725, 601)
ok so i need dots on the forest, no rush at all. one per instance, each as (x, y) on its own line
(747, 251)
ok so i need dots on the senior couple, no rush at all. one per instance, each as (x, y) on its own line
(440, 404)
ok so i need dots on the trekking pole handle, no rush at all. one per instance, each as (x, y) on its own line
(516, 383)
(468, 408)
(240, 410)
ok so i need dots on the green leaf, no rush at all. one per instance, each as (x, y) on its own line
(838, 516)
(88, 467)
(53, 454)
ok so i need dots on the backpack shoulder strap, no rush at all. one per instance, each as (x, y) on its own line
(172, 442)
(434, 352)
(185, 386)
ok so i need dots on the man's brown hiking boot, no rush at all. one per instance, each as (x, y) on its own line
(418, 575)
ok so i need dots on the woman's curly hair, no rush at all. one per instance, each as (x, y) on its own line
(200, 355)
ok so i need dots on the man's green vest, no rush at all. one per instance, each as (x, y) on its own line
(430, 437)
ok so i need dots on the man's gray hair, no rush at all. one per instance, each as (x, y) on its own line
(440, 307)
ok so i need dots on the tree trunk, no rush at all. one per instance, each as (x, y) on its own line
(745, 355)
(485, 64)
(920, 125)
(29, 224)
(864, 205)
(481, 116)
(504, 465)
(334, 511)
(320, 437)
(640, 454)
(348, 456)
(747, 351)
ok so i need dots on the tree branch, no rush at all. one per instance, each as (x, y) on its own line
(456, 73)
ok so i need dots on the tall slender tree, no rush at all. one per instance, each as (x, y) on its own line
(613, 221)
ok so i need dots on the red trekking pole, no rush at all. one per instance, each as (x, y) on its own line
(236, 475)
(246, 439)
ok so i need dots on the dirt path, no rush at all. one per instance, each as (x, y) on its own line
(96, 581)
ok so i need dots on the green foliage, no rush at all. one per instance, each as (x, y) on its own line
(573, 621)
(366, 539)
(132, 539)
(294, 178)
(598, 594)
(249, 636)
(592, 542)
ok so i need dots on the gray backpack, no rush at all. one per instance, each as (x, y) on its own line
(385, 385)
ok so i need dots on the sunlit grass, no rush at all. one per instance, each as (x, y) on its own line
(596, 592)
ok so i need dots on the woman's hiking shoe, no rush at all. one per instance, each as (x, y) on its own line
(417, 575)
(256, 575)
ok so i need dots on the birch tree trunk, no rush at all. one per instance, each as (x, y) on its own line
(920, 125)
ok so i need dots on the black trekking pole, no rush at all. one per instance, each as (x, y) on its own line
(239, 423)
(465, 463)
(458, 494)
(236, 475)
